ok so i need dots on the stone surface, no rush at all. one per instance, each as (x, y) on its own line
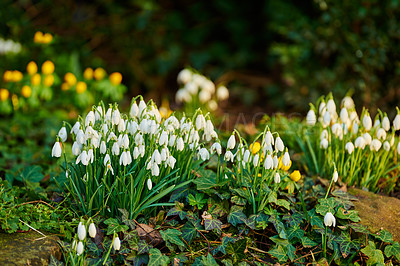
(28, 248)
(378, 211)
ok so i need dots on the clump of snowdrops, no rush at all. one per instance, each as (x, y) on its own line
(131, 161)
(362, 150)
(197, 91)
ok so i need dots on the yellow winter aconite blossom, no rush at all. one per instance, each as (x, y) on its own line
(26, 91)
(255, 148)
(282, 166)
(88, 73)
(81, 87)
(4, 94)
(48, 67)
(295, 176)
(38, 37)
(36, 79)
(70, 79)
(47, 38)
(17, 76)
(99, 73)
(116, 78)
(31, 68)
(65, 86)
(48, 80)
(8, 76)
(165, 110)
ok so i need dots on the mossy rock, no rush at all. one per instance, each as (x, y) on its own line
(28, 248)
(378, 211)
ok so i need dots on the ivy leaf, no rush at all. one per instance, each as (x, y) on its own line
(114, 226)
(210, 224)
(280, 228)
(294, 219)
(393, 250)
(272, 197)
(294, 231)
(236, 215)
(172, 235)
(346, 244)
(177, 210)
(157, 259)
(291, 250)
(279, 252)
(307, 243)
(93, 248)
(326, 205)
(55, 262)
(283, 203)
(221, 248)
(238, 200)
(384, 236)
(189, 230)
(349, 215)
(139, 260)
(315, 219)
(143, 247)
(359, 228)
(125, 218)
(180, 193)
(31, 173)
(375, 256)
(209, 260)
(204, 182)
(236, 249)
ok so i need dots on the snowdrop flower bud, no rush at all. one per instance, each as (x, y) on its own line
(155, 170)
(63, 134)
(311, 118)
(222, 93)
(116, 243)
(329, 219)
(275, 162)
(344, 115)
(256, 160)
(355, 128)
(98, 113)
(108, 115)
(80, 137)
(367, 137)
(180, 145)
(367, 122)
(386, 123)
(231, 142)
(142, 107)
(337, 129)
(92, 230)
(134, 112)
(115, 149)
(116, 117)
(217, 147)
(76, 149)
(359, 143)
(331, 106)
(324, 134)
(81, 231)
(90, 119)
(286, 159)
(324, 144)
(121, 125)
(386, 146)
(398, 148)
(375, 145)
(381, 133)
(246, 156)
(103, 147)
(321, 108)
(200, 122)
(79, 248)
(269, 139)
(348, 102)
(156, 157)
(377, 123)
(204, 155)
(268, 163)
(76, 128)
(229, 156)
(56, 151)
(171, 140)
(171, 162)
(349, 147)
(279, 144)
(184, 76)
(335, 176)
(326, 119)
(396, 122)
(277, 178)
(163, 139)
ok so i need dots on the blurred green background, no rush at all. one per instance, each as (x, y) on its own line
(277, 55)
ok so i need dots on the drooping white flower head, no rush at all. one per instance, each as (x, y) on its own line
(279, 144)
(375, 145)
(246, 156)
(155, 170)
(229, 156)
(277, 178)
(116, 243)
(367, 138)
(231, 142)
(275, 162)
(116, 117)
(324, 134)
(386, 146)
(63, 134)
(56, 151)
(98, 114)
(344, 115)
(367, 122)
(349, 147)
(355, 128)
(79, 248)
(90, 119)
(398, 148)
(329, 219)
(134, 112)
(81, 231)
(396, 122)
(381, 134)
(204, 155)
(311, 118)
(326, 120)
(222, 93)
(216, 147)
(76, 128)
(348, 102)
(121, 125)
(92, 230)
(324, 144)
(184, 76)
(76, 148)
(386, 123)
(286, 159)
(256, 160)
(268, 163)
(115, 149)
(180, 145)
(335, 176)
(360, 143)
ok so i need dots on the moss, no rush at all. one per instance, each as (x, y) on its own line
(378, 211)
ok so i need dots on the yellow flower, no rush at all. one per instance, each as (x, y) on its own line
(295, 176)
(31, 68)
(116, 78)
(255, 148)
(47, 67)
(36, 79)
(70, 79)
(81, 87)
(65, 86)
(17, 75)
(38, 37)
(165, 110)
(26, 91)
(88, 73)
(99, 73)
(8, 76)
(47, 38)
(4, 94)
(48, 80)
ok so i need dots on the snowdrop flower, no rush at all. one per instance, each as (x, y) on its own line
(192, 88)
(324, 144)
(182, 96)
(135, 153)
(269, 139)
(104, 128)
(222, 93)
(142, 108)
(115, 149)
(164, 154)
(76, 128)
(367, 122)
(326, 120)
(171, 140)
(125, 141)
(246, 156)
(76, 149)
(275, 162)
(107, 117)
(132, 127)
(216, 147)
(268, 163)
(90, 155)
(348, 102)
(231, 142)
(116, 117)
(121, 125)
(200, 122)
(321, 108)
(398, 148)
(329, 219)
(204, 155)
(63, 134)
(229, 156)
(134, 111)
(256, 160)
(81, 231)
(204, 96)
(386, 123)
(139, 139)
(337, 130)
(355, 128)
(286, 159)
(56, 151)
(155, 170)
(349, 147)
(156, 157)
(80, 137)
(84, 158)
(279, 144)
(331, 106)
(396, 122)
(335, 176)
(381, 133)
(171, 162)
(324, 134)
(79, 248)
(116, 243)
(163, 139)
(184, 76)
(367, 137)
(311, 118)
(344, 115)
(375, 145)
(180, 145)
(125, 158)
(92, 230)
(90, 119)
(377, 123)
(98, 113)
(277, 178)
(386, 146)
(360, 142)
